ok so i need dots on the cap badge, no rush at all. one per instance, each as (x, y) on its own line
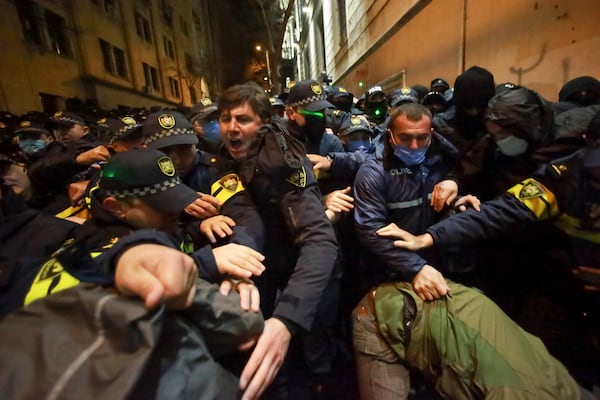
(206, 102)
(101, 121)
(167, 121)
(128, 121)
(316, 88)
(342, 90)
(25, 124)
(405, 91)
(58, 114)
(355, 120)
(166, 166)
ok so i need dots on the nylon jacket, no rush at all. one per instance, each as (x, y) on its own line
(90, 343)
(390, 191)
(469, 346)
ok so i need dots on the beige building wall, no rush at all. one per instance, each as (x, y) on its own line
(537, 43)
(29, 70)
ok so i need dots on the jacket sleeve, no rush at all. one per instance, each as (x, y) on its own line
(370, 214)
(249, 229)
(313, 235)
(223, 324)
(345, 165)
(522, 205)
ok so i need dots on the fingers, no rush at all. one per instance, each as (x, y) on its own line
(429, 284)
(225, 287)
(219, 224)
(238, 261)
(249, 296)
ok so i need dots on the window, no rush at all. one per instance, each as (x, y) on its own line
(142, 27)
(107, 56)
(109, 6)
(184, 26)
(151, 78)
(169, 49)
(174, 87)
(120, 62)
(114, 59)
(57, 33)
(30, 27)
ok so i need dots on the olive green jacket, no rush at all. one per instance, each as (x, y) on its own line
(469, 346)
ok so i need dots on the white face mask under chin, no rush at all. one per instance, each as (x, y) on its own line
(512, 146)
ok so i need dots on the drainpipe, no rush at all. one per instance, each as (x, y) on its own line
(463, 39)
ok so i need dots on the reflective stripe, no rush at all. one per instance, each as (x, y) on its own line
(59, 387)
(226, 187)
(407, 204)
(536, 197)
(79, 211)
(572, 227)
(51, 278)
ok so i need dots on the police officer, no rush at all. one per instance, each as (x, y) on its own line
(301, 248)
(205, 121)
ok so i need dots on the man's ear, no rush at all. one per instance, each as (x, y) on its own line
(115, 206)
(290, 112)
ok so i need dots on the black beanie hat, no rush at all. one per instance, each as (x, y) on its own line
(474, 87)
(583, 88)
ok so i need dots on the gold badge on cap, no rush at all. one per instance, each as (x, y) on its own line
(128, 121)
(405, 90)
(25, 124)
(355, 120)
(316, 88)
(206, 102)
(167, 121)
(166, 166)
(58, 114)
(101, 121)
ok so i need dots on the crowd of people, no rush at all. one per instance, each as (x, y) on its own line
(441, 238)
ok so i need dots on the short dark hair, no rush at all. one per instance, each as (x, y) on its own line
(413, 111)
(249, 92)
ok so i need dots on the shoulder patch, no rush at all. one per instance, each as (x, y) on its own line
(536, 197)
(298, 178)
(530, 190)
(226, 187)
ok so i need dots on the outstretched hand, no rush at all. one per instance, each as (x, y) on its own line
(266, 359)
(406, 240)
(238, 261)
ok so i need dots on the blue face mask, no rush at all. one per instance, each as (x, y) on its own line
(359, 145)
(31, 146)
(212, 131)
(408, 156)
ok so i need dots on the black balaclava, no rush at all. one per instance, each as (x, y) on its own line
(473, 88)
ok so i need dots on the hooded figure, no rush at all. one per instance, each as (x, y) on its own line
(578, 92)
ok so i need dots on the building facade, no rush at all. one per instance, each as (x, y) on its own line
(540, 44)
(108, 53)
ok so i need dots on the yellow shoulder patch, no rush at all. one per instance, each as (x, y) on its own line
(52, 278)
(298, 178)
(226, 187)
(536, 197)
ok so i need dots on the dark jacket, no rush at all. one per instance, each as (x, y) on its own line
(388, 191)
(90, 343)
(300, 247)
(51, 173)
